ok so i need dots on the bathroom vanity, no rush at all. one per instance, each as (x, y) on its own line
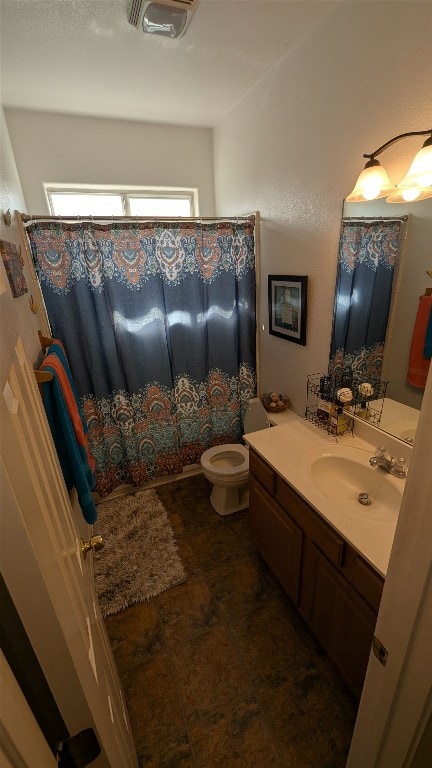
(323, 556)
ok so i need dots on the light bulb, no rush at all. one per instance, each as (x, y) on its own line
(410, 194)
(373, 182)
(371, 191)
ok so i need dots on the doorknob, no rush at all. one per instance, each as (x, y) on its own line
(95, 543)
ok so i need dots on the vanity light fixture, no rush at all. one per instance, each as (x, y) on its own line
(374, 182)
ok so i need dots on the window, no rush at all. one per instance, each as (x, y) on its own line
(113, 201)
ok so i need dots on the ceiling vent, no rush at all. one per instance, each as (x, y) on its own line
(169, 18)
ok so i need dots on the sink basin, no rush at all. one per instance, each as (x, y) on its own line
(342, 474)
(405, 430)
(408, 434)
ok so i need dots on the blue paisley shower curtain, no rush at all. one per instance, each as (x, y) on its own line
(158, 321)
(366, 261)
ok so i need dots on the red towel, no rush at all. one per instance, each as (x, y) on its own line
(57, 341)
(53, 361)
(418, 365)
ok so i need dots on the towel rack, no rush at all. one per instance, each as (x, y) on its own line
(45, 341)
(42, 376)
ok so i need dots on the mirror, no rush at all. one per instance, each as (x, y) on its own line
(399, 409)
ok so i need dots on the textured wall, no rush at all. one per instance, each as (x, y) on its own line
(11, 197)
(293, 149)
(81, 150)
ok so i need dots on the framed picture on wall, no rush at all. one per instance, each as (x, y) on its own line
(287, 300)
(13, 263)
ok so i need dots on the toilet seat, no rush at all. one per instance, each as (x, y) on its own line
(220, 453)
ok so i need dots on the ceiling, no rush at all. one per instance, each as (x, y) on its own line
(83, 57)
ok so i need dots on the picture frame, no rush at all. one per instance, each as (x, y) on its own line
(13, 263)
(287, 304)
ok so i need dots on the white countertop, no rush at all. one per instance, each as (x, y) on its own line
(398, 419)
(287, 448)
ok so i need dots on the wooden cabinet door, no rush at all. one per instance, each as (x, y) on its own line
(277, 537)
(341, 621)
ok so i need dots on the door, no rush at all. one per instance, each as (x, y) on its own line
(277, 537)
(393, 722)
(45, 571)
(340, 620)
(22, 744)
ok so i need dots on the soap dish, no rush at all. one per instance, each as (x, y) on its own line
(274, 403)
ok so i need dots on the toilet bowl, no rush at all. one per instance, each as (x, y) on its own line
(227, 466)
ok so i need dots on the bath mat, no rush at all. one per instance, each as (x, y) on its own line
(139, 560)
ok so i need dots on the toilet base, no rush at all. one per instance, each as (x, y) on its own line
(226, 501)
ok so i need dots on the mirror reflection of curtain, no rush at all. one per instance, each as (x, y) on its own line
(366, 262)
(158, 321)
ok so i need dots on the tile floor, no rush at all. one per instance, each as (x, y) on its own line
(221, 670)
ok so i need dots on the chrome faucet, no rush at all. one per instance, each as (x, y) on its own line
(396, 467)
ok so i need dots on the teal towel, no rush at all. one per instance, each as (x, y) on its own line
(72, 457)
(57, 348)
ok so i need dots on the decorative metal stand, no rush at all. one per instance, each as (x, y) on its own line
(325, 410)
(368, 408)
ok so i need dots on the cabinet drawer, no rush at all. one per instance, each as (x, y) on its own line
(316, 529)
(262, 471)
(368, 583)
(328, 542)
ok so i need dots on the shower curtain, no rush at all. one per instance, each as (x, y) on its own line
(366, 261)
(158, 321)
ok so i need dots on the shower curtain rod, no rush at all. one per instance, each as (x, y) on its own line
(29, 219)
(375, 218)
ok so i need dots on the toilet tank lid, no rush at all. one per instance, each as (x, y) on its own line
(255, 417)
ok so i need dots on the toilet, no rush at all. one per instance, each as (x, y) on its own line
(227, 466)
